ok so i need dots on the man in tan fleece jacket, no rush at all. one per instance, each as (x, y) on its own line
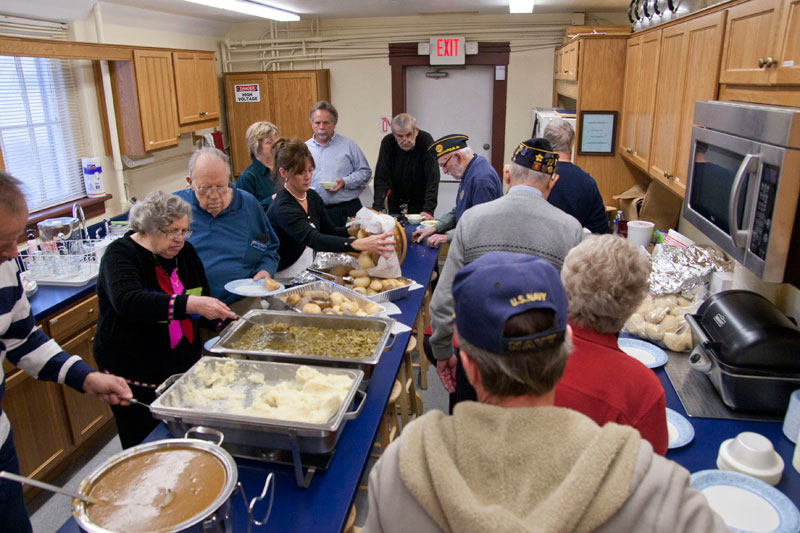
(512, 461)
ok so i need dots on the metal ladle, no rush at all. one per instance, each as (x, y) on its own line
(266, 335)
(52, 488)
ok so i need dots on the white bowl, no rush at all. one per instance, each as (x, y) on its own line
(326, 184)
(752, 454)
(414, 219)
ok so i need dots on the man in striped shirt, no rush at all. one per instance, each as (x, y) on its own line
(32, 351)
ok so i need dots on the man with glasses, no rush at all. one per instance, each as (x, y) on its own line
(479, 183)
(406, 173)
(230, 231)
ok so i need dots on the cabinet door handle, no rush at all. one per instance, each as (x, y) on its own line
(665, 173)
(769, 62)
(628, 150)
(152, 142)
(203, 113)
(91, 311)
(54, 321)
(761, 62)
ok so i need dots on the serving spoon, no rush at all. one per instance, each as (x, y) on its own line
(52, 488)
(266, 335)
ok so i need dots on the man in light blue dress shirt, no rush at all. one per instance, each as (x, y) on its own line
(340, 169)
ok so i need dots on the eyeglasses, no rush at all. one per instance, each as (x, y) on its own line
(219, 189)
(444, 165)
(176, 234)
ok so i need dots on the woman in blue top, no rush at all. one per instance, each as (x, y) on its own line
(257, 179)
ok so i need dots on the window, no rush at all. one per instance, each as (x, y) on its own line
(41, 136)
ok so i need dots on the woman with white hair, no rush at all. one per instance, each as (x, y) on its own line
(151, 291)
(606, 278)
(256, 178)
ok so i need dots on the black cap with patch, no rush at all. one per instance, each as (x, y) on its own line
(536, 154)
(447, 144)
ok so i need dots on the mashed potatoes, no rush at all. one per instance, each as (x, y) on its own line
(311, 397)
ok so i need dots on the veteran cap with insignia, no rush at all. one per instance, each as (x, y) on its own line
(447, 144)
(536, 154)
(498, 285)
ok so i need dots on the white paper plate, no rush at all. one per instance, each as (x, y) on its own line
(746, 503)
(680, 429)
(650, 355)
(250, 287)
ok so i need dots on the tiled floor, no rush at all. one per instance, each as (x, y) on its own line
(49, 511)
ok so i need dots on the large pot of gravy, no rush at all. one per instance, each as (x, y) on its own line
(167, 486)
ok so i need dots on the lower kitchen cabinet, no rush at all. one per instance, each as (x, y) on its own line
(51, 422)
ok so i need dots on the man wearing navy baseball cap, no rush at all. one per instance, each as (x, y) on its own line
(512, 461)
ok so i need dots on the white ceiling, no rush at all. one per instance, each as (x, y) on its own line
(65, 10)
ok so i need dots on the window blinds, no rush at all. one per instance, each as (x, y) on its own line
(41, 136)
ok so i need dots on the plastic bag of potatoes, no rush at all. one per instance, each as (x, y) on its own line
(368, 222)
(659, 319)
(334, 303)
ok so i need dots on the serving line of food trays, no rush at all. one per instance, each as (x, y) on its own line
(249, 435)
(234, 333)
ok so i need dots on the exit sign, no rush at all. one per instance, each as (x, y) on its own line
(448, 50)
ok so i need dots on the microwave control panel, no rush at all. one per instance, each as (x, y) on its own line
(765, 204)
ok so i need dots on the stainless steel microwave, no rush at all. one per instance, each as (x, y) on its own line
(743, 184)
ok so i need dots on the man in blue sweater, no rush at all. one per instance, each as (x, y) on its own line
(230, 231)
(32, 351)
(575, 192)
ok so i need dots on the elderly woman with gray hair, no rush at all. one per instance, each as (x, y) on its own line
(606, 278)
(152, 291)
(256, 178)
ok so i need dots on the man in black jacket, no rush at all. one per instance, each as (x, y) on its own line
(406, 172)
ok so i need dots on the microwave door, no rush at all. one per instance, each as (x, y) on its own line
(721, 188)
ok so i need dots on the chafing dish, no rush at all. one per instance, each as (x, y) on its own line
(234, 332)
(276, 301)
(258, 431)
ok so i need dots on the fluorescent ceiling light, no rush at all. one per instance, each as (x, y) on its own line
(250, 8)
(520, 6)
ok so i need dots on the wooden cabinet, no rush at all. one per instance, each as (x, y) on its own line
(51, 422)
(283, 98)
(292, 94)
(196, 86)
(788, 67)
(688, 70)
(641, 76)
(569, 63)
(762, 43)
(150, 90)
(599, 84)
(86, 414)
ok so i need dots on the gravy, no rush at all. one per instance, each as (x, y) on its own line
(156, 490)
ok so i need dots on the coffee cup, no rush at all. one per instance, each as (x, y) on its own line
(791, 422)
(640, 232)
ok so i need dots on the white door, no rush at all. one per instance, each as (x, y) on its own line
(459, 103)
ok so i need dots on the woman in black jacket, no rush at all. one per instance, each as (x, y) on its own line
(298, 215)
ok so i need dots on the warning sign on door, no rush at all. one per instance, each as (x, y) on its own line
(247, 93)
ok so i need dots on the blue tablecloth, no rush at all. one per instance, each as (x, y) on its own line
(324, 506)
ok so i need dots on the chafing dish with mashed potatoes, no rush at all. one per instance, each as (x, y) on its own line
(263, 404)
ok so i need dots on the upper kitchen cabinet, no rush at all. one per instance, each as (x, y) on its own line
(688, 70)
(569, 62)
(762, 43)
(788, 68)
(641, 76)
(196, 87)
(144, 100)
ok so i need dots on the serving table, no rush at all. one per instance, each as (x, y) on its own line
(325, 504)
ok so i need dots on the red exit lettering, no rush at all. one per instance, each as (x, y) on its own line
(447, 47)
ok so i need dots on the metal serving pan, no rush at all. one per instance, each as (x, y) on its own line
(250, 430)
(276, 302)
(235, 330)
(385, 296)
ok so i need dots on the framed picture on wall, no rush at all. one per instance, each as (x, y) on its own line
(598, 132)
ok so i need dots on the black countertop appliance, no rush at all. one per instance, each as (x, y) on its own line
(748, 349)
